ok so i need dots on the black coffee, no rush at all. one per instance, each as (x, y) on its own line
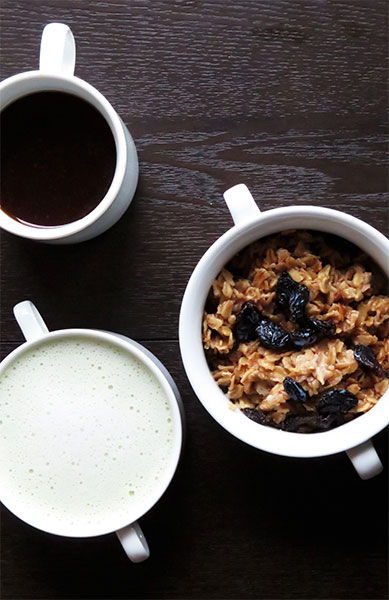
(58, 158)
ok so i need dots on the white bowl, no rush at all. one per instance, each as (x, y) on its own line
(251, 225)
(126, 527)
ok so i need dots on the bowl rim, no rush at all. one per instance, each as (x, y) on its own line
(213, 399)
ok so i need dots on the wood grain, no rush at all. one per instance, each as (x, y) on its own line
(289, 98)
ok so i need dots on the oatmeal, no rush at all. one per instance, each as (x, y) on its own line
(296, 331)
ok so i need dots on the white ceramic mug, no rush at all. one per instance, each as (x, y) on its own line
(127, 530)
(56, 68)
(250, 225)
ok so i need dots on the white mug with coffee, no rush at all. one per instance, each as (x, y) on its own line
(91, 427)
(69, 164)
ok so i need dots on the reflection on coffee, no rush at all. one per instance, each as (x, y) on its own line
(86, 432)
(58, 158)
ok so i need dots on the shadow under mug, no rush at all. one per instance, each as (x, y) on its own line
(127, 528)
(250, 225)
(56, 68)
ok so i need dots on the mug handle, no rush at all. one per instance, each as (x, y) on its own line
(241, 204)
(58, 50)
(134, 542)
(365, 460)
(29, 320)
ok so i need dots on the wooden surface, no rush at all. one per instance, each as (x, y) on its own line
(288, 97)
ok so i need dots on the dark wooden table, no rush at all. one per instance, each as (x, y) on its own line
(289, 98)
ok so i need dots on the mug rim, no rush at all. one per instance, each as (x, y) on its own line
(58, 232)
(174, 402)
(210, 395)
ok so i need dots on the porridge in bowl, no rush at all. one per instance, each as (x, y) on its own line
(296, 331)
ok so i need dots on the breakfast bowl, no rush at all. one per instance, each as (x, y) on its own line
(251, 225)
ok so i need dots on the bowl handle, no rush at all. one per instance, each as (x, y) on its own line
(134, 542)
(365, 460)
(241, 204)
(29, 320)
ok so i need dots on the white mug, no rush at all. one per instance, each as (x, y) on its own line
(127, 530)
(56, 68)
(250, 225)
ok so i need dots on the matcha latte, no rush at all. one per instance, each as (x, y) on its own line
(86, 432)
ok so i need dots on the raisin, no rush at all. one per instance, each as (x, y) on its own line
(294, 390)
(273, 336)
(292, 297)
(284, 289)
(314, 423)
(325, 423)
(303, 338)
(335, 402)
(307, 423)
(250, 324)
(334, 420)
(323, 328)
(255, 415)
(298, 303)
(313, 331)
(365, 356)
(260, 417)
(246, 322)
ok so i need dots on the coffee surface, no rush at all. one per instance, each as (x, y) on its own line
(86, 435)
(58, 158)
